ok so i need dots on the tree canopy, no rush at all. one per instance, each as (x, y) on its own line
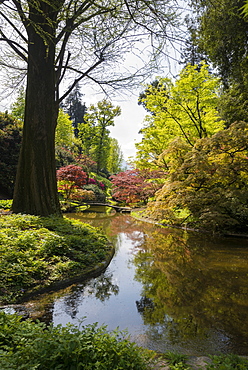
(186, 108)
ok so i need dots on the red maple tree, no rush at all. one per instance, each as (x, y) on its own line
(133, 186)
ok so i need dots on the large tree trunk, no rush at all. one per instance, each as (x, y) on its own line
(36, 187)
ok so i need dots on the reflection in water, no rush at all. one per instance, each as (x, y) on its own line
(196, 286)
(100, 288)
(171, 289)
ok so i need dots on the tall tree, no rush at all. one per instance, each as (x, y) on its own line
(74, 107)
(95, 131)
(81, 40)
(115, 157)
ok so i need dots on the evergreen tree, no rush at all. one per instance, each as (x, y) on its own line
(74, 107)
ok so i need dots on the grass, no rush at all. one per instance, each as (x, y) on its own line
(38, 252)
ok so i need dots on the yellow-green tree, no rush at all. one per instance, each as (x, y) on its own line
(64, 135)
(186, 108)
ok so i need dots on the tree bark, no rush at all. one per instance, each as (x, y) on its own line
(36, 187)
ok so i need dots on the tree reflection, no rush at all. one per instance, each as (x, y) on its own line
(102, 287)
(193, 287)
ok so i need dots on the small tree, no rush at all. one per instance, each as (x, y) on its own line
(64, 136)
(72, 173)
(115, 157)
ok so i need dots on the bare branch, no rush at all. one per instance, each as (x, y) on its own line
(14, 27)
(98, 62)
(14, 45)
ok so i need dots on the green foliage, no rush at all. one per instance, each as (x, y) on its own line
(5, 203)
(100, 179)
(209, 180)
(174, 357)
(64, 136)
(29, 345)
(115, 157)
(10, 143)
(176, 361)
(18, 107)
(185, 109)
(222, 36)
(100, 195)
(228, 362)
(64, 157)
(36, 252)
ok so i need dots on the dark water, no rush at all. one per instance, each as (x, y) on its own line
(172, 290)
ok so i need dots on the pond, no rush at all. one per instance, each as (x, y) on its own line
(171, 289)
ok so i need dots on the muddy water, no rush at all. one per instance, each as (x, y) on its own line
(172, 290)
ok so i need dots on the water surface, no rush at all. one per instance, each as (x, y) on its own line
(171, 289)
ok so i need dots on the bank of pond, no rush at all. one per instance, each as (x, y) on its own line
(173, 290)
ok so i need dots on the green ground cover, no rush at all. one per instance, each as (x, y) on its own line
(38, 252)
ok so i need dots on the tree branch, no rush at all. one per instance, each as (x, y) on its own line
(13, 45)
(77, 80)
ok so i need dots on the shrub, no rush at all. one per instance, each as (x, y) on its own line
(228, 362)
(99, 194)
(36, 252)
(10, 143)
(87, 163)
(64, 157)
(134, 186)
(66, 188)
(29, 345)
(82, 195)
(208, 181)
(5, 203)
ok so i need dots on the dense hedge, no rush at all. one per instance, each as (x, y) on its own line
(38, 252)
